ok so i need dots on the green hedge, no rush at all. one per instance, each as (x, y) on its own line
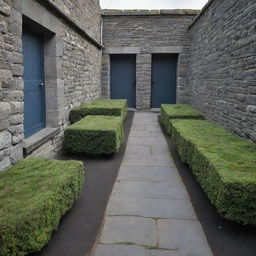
(224, 165)
(99, 107)
(95, 135)
(34, 195)
(173, 111)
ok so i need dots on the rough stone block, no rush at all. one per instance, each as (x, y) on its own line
(16, 119)
(250, 99)
(5, 110)
(5, 8)
(17, 107)
(5, 163)
(3, 27)
(4, 125)
(5, 139)
(16, 154)
(5, 74)
(251, 109)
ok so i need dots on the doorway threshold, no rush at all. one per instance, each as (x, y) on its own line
(35, 141)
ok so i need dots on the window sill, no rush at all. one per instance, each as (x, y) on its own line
(38, 139)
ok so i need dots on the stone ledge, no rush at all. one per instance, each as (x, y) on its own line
(116, 12)
(38, 139)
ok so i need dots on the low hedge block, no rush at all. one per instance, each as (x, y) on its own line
(95, 135)
(34, 195)
(99, 107)
(181, 111)
(223, 164)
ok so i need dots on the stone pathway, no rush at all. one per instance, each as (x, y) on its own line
(149, 212)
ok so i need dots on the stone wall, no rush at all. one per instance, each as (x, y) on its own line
(144, 33)
(82, 70)
(72, 69)
(223, 65)
(11, 84)
(85, 13)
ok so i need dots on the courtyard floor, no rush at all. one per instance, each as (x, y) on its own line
(149, 212)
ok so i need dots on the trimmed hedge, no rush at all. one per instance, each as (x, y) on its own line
(181, 111)
(98, 108)
(95, 135)
(34, 195)
(224, 165)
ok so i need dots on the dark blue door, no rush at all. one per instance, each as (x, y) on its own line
(164, 69)
(34, 93)
(123, 78)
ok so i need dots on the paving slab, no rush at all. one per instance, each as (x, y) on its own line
(150, 208)
(148, 160)
(139, 134)
(159, 150)
(146, 127)
(138, 150)
(126, 229)
(120, 250)
(148, 173)
(145, 115)
(154, 128)
(139, 128)
(161, 190)
(138, 141)
(144, 121)
(157, 133)
(131, 250)
(164, 253)
(185, 235)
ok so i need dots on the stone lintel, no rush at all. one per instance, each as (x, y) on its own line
(37, 13)
(122, 50)
(166, 49)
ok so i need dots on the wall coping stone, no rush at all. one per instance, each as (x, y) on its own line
(205, 8)
(116, 12)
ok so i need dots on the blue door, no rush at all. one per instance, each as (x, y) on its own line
(164, 69)
(34, 93)
(123, 78)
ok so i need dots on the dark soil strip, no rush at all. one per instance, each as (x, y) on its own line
(80, 227)
(225, 238)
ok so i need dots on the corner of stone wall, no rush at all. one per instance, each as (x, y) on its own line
(11, 85)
